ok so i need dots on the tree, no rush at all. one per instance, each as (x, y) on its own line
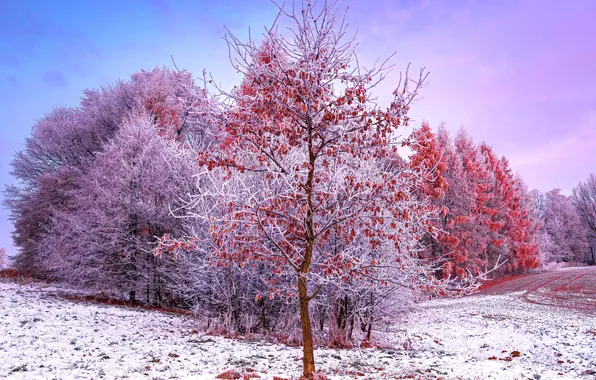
(510, 222)
(308, 162)
(584, 200)
(457, 242)
(565, 238)
(106, 235)
(486, 219)
(2, 257)
(474, 201)
(64, 144)
(526, 236)
(428, 158)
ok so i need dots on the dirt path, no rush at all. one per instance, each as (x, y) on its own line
(572, 288)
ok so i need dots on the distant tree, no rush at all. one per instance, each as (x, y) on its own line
(2, 257)
(584, 200)
(566, 238)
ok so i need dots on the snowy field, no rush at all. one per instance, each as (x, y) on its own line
(43, 336)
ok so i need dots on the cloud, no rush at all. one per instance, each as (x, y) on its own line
(54, 78)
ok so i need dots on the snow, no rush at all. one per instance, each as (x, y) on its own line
(44, 336)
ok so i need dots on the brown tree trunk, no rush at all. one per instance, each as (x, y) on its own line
(307, 342)
(303, 297)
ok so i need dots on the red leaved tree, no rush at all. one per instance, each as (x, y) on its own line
(305, 169)
(486, 222)
(429, 159)
(470, 209)
(524, 236)
(498, 208)
(459, 192)
(510, 223)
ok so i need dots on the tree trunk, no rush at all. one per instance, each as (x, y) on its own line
(370, 316)
(322, 321)
(304, 299)
(307, 341)
(369, 331)
(264, 319)
(342, 314)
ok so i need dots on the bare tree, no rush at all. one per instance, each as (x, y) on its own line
(2, 257)
(584, 200)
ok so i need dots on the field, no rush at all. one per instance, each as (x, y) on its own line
(541, 326)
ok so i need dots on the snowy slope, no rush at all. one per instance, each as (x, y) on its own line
(43, 336)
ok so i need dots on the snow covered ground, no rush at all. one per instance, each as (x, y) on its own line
(43, 336)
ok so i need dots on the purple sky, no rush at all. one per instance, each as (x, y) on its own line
(518, 74)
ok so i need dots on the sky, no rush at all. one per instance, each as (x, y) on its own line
(517, 74)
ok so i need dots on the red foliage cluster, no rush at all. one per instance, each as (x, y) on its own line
(167, 116)
(486, 217)
(9, 273)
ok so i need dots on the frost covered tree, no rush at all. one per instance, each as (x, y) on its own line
(510, 221)
(308, 161)
(60, 144)
(429, 158)
(564, 237)
(106, 235)
(584, 200)
(486, 224)
(526, 235)
(65, 142)
(456, 202)
(2, 257)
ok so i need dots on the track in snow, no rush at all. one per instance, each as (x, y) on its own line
(571, 288)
